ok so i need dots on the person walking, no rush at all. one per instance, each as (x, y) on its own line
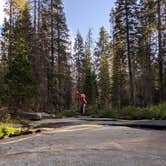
(82, 102)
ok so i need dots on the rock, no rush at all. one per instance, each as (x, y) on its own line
(33, 115)
(45, 115)
(29, 115)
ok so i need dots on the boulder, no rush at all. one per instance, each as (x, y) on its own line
(33, 115)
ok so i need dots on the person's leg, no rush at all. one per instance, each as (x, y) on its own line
(83, 109)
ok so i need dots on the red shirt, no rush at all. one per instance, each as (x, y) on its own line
(83, 99)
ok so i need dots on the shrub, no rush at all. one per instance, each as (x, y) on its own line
(7, 130)
(131, 112)
(1, 132)
(92, 112)
(57, 116)
(71, 114)
(149, 112)
(158, 111)
(109, 113)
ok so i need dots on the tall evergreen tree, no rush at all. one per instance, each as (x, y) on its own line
(87, 68)
(19, 76)
(164, 48)
(3, 61)
(104, 53)
(125, 10)
(160, 14)
(4, 42)
(134, 25)
(61, 42)
(79, 54)
(40, 57)
(59, 70)
(145, 54)
(118, 83)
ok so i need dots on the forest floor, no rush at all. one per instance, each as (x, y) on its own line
(75, 142)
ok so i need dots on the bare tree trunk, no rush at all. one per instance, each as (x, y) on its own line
(132, 96)
(35, 13)
(160, 56)
(52, 36)
(10, 28)
(41, 64)
(59, 71)
(148, 72)
(39, 14)
(51, 83)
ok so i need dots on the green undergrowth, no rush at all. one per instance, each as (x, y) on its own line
(71, 114)
(9, 120)
(8, 130)
(66, 114)
(150, 112)
(131, 113)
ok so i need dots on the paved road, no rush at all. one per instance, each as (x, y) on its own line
(86, 145)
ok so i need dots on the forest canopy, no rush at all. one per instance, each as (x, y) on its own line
(39, 71)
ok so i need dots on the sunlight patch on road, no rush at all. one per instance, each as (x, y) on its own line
(60, 130)
(112, 145)
(19, 140)
(78, 128)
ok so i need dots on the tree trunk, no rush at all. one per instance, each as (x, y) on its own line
(132, 96)
(160, 58)
(34, 21)
(10, 29)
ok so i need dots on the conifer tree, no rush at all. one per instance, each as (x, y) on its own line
(58, 68)
(4, 42)
(78, 58)
(21, 88)
(87, 69)
(103, 49)
(3, 61)
(119, 80)
(125, 13)
(160, 14)
(145, 52)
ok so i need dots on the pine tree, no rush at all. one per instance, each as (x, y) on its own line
(78, 58)
(164, 48)
(104, 82)
(145, 53)
(103, 49)
(134, 23)
(119, 81)
(40, 57)
(87, 69)
(160, 29)
(125, 13)
(87, 86)
(3, 61)
(19, 76)
(128, 6)
(61, 41)
(4, 42)
(58, 67)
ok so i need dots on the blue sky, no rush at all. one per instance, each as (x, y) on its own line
(85, 14)
(82, 15)
(2, 2)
